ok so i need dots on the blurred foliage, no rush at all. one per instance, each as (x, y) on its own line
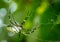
(42, 13)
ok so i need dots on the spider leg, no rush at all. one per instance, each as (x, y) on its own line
(33, 29)
(13, 18)
(10, 20)
(24, 21)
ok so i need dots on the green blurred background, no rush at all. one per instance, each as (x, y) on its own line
(42, 13)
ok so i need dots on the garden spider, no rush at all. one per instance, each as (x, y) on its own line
(15, 25)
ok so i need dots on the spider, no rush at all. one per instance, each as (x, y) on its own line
(15, 25)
